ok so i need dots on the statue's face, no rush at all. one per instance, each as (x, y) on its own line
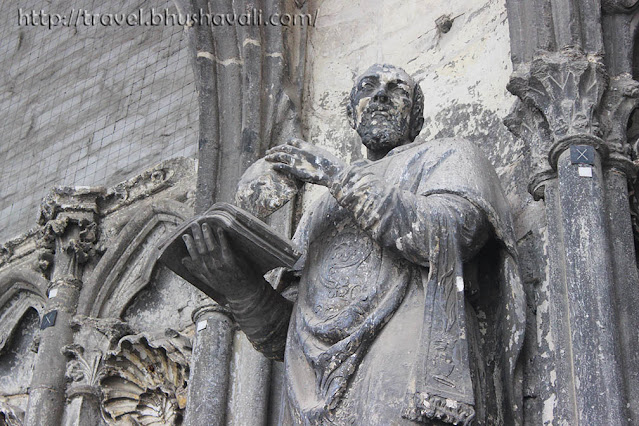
(381, 105)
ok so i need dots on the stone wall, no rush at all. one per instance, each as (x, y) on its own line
(87, 105)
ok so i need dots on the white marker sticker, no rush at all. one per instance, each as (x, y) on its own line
(585, 171)
(53, 293)
(201, 325)
(459, 281)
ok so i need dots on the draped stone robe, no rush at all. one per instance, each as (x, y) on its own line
(382, 331)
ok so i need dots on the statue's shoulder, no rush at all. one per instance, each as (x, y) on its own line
(436, 147)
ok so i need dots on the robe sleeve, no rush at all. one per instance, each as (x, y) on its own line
(401, 220)
(264, 316)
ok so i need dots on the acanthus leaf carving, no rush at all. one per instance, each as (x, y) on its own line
(528, 124)
(566, 87)
(620, 100)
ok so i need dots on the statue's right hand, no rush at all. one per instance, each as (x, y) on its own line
(212, 260)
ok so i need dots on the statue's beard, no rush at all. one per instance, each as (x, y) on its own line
(382, 132)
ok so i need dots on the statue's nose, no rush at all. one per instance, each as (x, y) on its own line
(381, 96)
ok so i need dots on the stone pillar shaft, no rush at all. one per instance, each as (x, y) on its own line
(48, 386)
(574, 119)
(209, 376)
(588, 371)
(626, 279)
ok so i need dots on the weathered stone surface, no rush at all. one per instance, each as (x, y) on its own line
(88, 104)
(92, 123)
(412, 211)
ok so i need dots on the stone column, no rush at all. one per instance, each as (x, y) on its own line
(210, 365)
(576, 172)
(83, 408)
(68, 235)
(619, 102)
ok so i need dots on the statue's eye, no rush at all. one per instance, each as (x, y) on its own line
(366, 85)
(397, 88)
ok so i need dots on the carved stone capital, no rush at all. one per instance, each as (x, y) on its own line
(619, 101)
(529, 124)
(566, 87)
(69, 199)
(63, 209)
(561, 94)
(83, 370)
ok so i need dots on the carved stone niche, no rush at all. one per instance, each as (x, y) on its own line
(143, 383)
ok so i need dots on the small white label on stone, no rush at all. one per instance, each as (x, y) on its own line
(201, 325)
(585, 171)
(459, 281)
(53, 293)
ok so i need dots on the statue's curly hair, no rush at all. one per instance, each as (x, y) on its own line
(416, 114)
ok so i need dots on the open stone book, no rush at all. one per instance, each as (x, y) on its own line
(247, 235)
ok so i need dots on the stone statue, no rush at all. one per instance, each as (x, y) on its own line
(406, 305)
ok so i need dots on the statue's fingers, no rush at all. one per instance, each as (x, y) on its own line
(296, 173)
(284, 168)
(208, 237)
(279, 157)
(225, 249)
(188, 264)
(278, 148)
(198, 238)
(190, 247)
(193, 268)
(296, 142)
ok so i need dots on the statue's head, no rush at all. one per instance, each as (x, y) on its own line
(386, 108)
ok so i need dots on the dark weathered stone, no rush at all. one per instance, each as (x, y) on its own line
(382, 278)
(577, 93)
(207, 399)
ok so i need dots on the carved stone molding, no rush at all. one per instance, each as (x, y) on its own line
(111, 286)
(18, 248)
(20, 290)
(167, 174)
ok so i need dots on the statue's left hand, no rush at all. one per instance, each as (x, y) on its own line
(305, 162)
